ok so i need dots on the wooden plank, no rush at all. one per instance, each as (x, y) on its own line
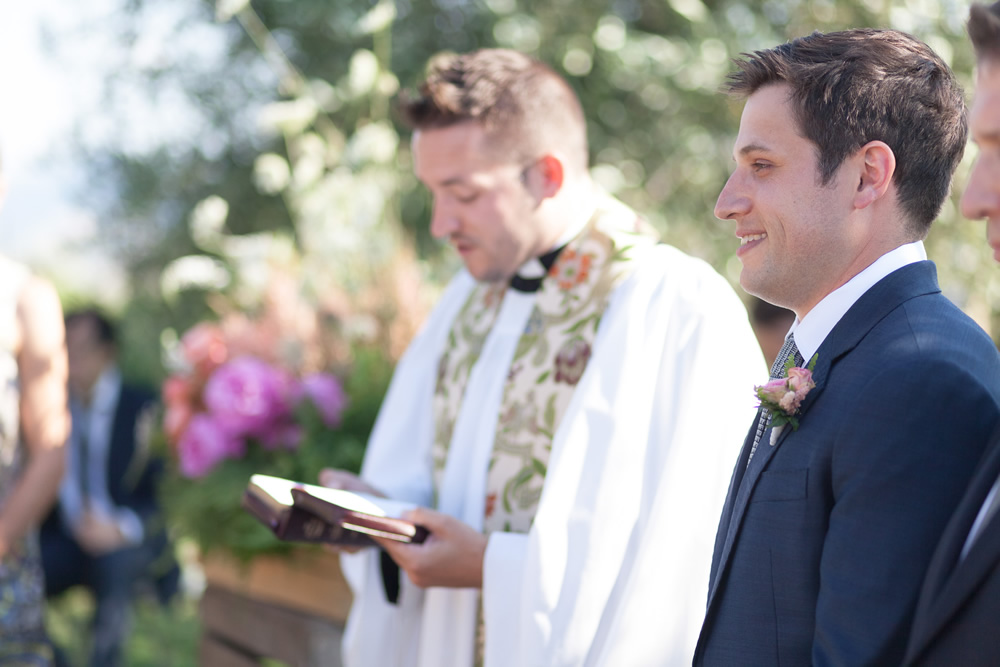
(309, 580)
(268, 630)
(215, 653)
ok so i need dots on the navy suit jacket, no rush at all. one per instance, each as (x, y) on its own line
(958, 616)
(824, 540)
(132, 471)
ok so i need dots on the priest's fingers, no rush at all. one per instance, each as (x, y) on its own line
(452, 555)
(341, 479)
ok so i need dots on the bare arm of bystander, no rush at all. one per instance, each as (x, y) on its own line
(41, 358)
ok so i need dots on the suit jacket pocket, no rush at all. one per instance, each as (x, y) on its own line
(781, 485)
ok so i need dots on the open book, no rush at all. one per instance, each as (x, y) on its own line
(308, 513)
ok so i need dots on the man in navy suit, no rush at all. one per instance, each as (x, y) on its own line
(106, 532)
(958, 616)
(845, 153)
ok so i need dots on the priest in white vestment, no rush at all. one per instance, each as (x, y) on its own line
(567, 418)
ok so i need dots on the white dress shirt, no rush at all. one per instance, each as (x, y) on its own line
(812, 330)
(97, 421)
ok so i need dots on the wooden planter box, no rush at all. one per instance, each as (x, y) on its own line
(290, 608)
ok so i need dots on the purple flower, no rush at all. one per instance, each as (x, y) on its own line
(571, 361)
(204, 443)
(248, 395)
(283, 435)
(327, 395)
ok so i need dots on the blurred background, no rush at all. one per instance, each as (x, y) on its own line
(178, 162)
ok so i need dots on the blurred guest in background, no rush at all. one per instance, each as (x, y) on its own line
(106, 532)
(959, 610)
(770, 324)
(34, 424)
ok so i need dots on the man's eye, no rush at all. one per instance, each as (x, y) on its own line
(466, 198)
(759, 166)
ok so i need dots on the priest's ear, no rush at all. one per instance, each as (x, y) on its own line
(544, 177)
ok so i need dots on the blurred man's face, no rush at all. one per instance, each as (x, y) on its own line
(482, 205)
(982, 196)
(88, 357)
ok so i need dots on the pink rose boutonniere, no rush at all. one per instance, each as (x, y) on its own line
(783, 396)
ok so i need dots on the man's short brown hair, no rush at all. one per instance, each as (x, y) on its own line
(984, 30)
(524, 106)
(856, 86)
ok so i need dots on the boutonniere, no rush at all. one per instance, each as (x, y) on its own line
(783, 396)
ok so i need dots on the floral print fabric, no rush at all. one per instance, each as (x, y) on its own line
(22, 635)
(549, 361)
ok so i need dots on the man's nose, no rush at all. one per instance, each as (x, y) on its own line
(732, 201)
(444, 222)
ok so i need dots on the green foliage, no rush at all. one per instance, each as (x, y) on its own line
(647, 71)
(161, 636)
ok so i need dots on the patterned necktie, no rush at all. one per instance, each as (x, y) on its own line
(789, 349)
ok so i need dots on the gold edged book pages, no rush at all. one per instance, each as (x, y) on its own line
(298, 512)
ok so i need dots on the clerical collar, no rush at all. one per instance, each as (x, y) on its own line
(531, 274)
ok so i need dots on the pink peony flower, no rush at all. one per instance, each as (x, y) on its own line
(176, 420)
(204, 347)
(284, 435)
(248, 396)
(326, 393)
(204, 444)
(176, 391)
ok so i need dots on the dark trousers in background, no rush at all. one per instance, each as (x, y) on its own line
(112, 578)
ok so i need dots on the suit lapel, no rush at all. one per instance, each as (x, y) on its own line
(745, 477)
(949, 583)
(885, 296)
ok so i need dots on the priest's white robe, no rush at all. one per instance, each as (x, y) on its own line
(614, 570)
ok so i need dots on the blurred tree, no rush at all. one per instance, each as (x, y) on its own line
(286, 114)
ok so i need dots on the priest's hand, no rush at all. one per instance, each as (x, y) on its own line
(333, 478)
(451, 556)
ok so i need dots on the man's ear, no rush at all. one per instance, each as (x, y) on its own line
(877, 164)
(545, 177)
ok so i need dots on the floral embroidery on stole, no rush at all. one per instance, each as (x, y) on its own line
(550, 359)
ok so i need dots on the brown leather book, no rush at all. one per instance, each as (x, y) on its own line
(307, 513)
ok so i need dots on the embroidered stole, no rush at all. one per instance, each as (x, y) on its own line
(549, 360)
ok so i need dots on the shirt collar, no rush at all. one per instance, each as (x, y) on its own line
(106, 391)
(812, 330)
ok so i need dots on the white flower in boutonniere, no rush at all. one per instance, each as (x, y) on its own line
(783, 397)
